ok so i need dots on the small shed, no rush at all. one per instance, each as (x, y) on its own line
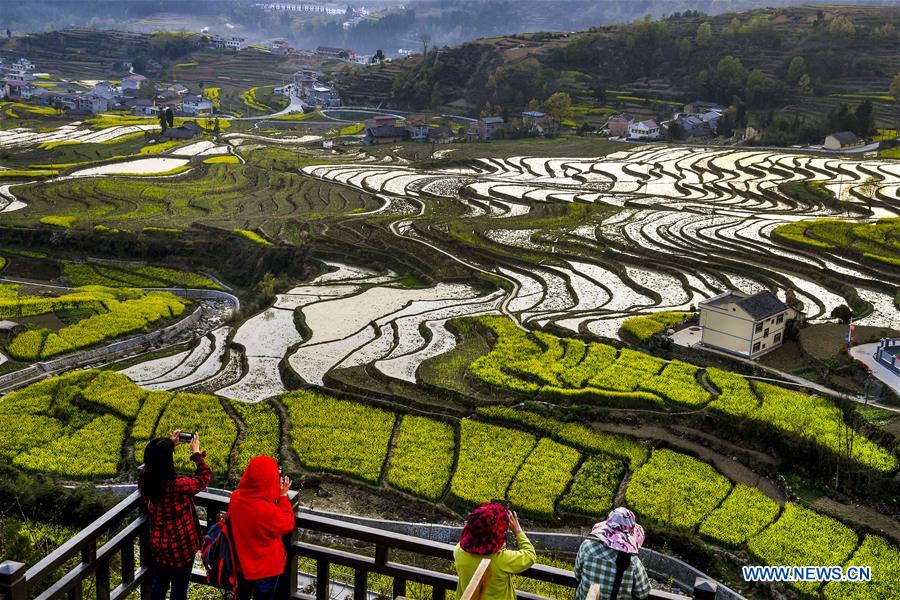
(9, 330)
(842, 139)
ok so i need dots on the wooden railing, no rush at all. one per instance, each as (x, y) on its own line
(123, 531)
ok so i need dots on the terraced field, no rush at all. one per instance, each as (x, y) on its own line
(689, 224)
(544, 472)
(442, 281)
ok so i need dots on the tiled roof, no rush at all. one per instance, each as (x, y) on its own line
(762, 304)
(759, 305)
(846, 137)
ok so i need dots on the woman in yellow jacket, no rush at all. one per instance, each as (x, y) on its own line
(484, 536)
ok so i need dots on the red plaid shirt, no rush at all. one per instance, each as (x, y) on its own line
(174, 527)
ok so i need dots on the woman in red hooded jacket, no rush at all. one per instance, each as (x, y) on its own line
(260, 515)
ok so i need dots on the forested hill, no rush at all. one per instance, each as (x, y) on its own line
(752, 55)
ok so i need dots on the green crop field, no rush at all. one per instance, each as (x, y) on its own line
(81, 426)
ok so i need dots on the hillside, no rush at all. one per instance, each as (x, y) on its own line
(848, 53)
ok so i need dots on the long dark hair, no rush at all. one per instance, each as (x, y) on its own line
(159, 466)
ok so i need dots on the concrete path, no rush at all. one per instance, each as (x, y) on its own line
(865, 353)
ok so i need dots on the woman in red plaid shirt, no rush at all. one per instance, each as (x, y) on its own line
(174, 528)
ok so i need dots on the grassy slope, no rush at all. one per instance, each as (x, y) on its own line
(631, 76)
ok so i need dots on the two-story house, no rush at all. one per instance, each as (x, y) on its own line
(748, 325)
(644, 130)
(193, 105)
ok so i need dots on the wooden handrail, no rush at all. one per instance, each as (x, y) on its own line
(19, 583)
(479, 582)
(593, 592)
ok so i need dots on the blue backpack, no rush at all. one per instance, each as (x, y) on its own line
(219, 556)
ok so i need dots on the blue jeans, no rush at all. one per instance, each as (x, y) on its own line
(259, 589)
(162, 577)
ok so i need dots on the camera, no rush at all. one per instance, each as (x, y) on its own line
(185, 438)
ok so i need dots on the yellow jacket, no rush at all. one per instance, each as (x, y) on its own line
(504, 565)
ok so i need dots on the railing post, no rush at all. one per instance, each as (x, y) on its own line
(144, 546)
(360, 584)
(704, 589)
(13, 585)
(287, 583)
(323, 579)
(399, 587)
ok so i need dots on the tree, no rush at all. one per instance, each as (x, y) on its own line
(8, 34)
(425, 38)
(163, 124)
(533, 105)
(170, 116)
(842, 313)
(684, 49)
(841, 26)
(379, 56)
(558, 107)
(796, 69)
(865, 119)
(885, 32)
(487, 110)
(895, 88)
(147, 91)
(804, 85)
(704, 34)
(675, 131)
(733, 28)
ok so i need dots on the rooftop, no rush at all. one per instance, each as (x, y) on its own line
(846, 137)
(759, 305)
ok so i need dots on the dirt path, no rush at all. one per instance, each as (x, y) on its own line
(730, 467)
(860, 515)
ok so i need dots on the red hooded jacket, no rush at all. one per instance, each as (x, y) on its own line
(259, 519)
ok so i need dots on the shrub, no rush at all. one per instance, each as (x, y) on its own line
(742, 515)
(423, 457)
(676, 490)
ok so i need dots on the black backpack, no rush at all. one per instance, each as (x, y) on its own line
(219, 556)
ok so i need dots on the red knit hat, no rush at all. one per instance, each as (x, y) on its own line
(485, 531)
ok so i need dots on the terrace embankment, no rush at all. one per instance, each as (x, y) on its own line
(237, 259)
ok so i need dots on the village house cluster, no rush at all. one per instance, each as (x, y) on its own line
(697, 120)
(308, 86)
(20, 83)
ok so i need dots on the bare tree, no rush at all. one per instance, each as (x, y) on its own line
(425, 38)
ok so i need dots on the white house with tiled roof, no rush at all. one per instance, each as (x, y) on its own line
(748, 325)
(644, 130)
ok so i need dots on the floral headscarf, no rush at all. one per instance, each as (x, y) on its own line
(620, 531)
